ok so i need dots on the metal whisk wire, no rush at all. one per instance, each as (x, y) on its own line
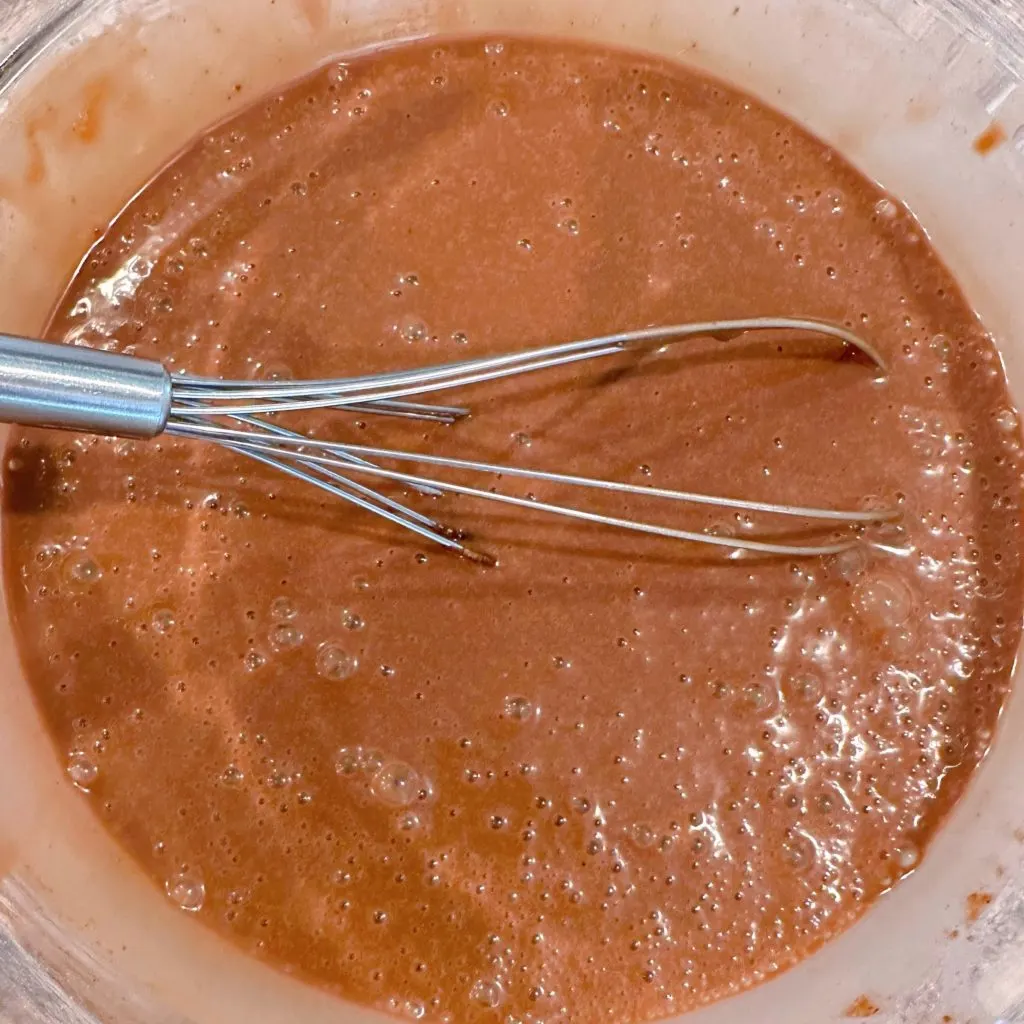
(329, 465)
(286, 396)
(75, 388)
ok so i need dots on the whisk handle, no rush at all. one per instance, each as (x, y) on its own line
(72, 388)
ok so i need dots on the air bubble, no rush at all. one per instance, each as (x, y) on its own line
(48, 555)
(333, 662)
(232, 776)
(907, 856)
(354, 760)
(499, 109)
(886, 209)
(413, 330)
(1007, 420)
(409, 821)
(519, 709)
(396, 783)
(643, 835)
(800, 852)
(851, 564)
(253, 661)
(884, 600)
(82, 771)
(274, 371)
(282, 609)
(350, 620)
(488, 994)
(163, 621)
(953, 751)
(285, 637)
(186, 889)
(763, 698)
(278, 779)
(836, 201)
(571, 226)
(82, 571)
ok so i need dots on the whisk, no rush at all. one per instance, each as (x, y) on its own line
(86, 390)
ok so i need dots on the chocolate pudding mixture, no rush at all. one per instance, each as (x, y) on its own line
(612, 778)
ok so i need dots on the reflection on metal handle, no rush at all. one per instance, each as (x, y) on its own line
(49, 385)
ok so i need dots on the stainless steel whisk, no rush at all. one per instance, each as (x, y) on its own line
(81, 389)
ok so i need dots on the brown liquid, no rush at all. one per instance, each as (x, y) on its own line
(613, 778)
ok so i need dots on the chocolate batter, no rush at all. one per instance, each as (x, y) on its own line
(611, 778)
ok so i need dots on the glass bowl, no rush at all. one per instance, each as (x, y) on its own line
(96, 94)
